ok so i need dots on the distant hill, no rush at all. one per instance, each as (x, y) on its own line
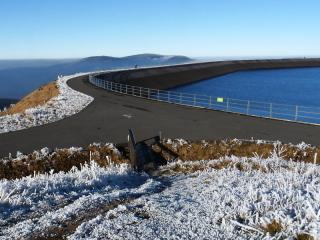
(6, 102)
(17, 82)
(142, 60)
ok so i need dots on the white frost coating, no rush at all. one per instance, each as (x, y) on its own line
(175, 143)
(67, 103)
(208, 204)
(220, 204)
(39, 202)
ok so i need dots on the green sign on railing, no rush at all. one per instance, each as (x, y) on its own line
(220, 100)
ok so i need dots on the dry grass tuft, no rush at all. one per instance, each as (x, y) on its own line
(143, 214)
(36, 98)
(201, 150)
(63, 160)
(197, 150)
(273, 227)
(194, 151)
(304, 236)
(60, 160)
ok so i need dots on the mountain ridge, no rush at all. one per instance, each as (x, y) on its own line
(17, 82)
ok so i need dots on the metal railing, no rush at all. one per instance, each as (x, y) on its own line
(295, 113)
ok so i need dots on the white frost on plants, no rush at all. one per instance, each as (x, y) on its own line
(210, 203)
(67, 103)
(175, 143)
(36, 203)
(220, 204)
(303, 146)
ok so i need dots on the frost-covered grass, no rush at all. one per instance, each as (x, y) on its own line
(221, 204)
(31, 205)
(45, 160)
(67, 103)
(230, 197)
(207, 150)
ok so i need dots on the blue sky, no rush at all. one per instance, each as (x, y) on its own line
(209, 28)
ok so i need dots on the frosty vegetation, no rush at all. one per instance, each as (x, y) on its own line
(220, 204)
(67, 103)
(227, 198)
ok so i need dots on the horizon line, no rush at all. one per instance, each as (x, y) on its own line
(227, 57)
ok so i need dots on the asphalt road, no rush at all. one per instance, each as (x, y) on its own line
(109, 116)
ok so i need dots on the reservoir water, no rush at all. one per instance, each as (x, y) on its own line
(271, 93)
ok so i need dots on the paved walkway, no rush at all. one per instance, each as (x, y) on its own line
(109, 116)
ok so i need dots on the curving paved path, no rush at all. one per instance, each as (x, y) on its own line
(109, 116)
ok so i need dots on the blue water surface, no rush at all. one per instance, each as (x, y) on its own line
(298, 86)
(266, 90)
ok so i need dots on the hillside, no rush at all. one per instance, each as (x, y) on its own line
(47, 104)
(36, 98)
(17, 82)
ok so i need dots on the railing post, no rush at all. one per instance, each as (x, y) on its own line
(270, 112)
(158, 94)
(194, 100)
(140, 92)
(180, 98)
(210, 101)
(148, 93)
(227, 104)
(248, 107)
(168, 96)
(296, 115)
